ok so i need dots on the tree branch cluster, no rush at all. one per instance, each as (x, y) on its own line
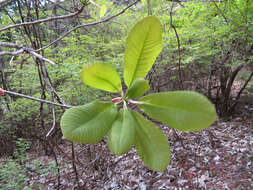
(22, 49)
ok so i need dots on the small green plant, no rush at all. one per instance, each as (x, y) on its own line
(12, 176)
(21, 151)
(22, 145)
(15, 173)
(182, 110)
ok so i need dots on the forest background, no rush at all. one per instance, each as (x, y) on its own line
(207, 47)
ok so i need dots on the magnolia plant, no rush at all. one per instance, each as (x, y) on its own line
(182, 110)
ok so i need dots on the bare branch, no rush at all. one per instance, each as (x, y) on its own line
(178, 45)
(14, 53)
(88, 24)
(41, 57)
(43, 20)
(54, 119)
(22, 50)
(64, 35)
(74, 165)
(219, 10)
(10, 45)
(232, 108)
(36, 99)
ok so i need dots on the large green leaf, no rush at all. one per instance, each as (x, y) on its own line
(183, 110)
(88, 123)
(151, 144)
(143, 45)
(138, 88)
(122, 134)
(102, 76)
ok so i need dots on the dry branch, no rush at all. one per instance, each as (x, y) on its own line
(36, 99)
(88, 24)
(22, 50)
(178, 46)
(42, 20)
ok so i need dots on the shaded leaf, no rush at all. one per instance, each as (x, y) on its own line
(151, 144)
(122, 134)
(88, 123)
(183, 110)
(143, 45)
(138, 88)
(102, 76)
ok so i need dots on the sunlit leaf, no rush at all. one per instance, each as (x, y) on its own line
(183, 110)
(102, 76)
(151, 144)
(103, 10)
(88, 123)
(138, 88)
(122, 134)
(143, 45)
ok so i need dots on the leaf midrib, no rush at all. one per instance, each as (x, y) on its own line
(141, 52)
(176, 108)
(97, 115)
(149, 138)
(115, 87)
(140, 128)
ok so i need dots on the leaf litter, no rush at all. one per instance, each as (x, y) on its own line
(219, 157)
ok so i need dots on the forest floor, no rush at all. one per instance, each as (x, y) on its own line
(220, 157)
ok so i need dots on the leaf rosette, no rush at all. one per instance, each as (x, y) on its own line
(182, 110)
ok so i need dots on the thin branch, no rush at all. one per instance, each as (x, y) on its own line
(222, 14)
(178, 45)
(74, 165)
(53, 125)
(48, 82)
(36, 99)
(43, 20)
(22, 50)
(88, 24)
(10, 45)
(64, 153)
(14, 53)
(41, 57)
(54, 119)
(11, 18)
(149, 8)
(239, 93)
(66, 33)
(232, 79)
